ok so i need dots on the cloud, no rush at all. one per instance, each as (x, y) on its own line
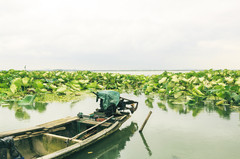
(119, 34)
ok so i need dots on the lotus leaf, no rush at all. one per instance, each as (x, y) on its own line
(25, 81)
(13, 88)
(237, 81)
(178, 94)
(162, 80)
(60, 80)
(61, 89)
(38, 84)
(211, 84)
(17, 82)
(220, 102)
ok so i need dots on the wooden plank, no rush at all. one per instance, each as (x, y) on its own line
(28, 135)
(61, 137)
(76, 147)
(58, 122)
(23, 136)
(57, 129)
(37, 133)
(76, 136)
(93, 122)
(63, 153)
(20, 131)
(45, 127)
(120, 117)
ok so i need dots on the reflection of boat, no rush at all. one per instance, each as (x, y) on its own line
(60, 138)
(109, 147)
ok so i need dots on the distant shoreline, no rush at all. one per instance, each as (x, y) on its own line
(114, 70)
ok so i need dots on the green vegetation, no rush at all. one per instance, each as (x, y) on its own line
(222, 87)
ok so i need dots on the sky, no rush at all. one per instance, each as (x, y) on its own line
(119, 35)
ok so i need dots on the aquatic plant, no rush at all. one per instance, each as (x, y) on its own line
(222, 87)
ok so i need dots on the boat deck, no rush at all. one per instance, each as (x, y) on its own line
(54, 136)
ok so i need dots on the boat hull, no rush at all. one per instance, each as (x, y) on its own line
(56, 139)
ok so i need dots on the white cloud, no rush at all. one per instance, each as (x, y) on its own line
(123, 34)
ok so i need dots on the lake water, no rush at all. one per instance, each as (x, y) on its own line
(172, 132)
(169, 133)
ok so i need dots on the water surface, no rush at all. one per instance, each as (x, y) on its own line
(172, 132)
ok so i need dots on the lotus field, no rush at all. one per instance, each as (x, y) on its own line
(220, 87)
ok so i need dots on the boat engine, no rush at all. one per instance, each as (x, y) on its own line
(112, 104)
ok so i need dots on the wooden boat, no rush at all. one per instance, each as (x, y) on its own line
(60, 138)
(111, 146)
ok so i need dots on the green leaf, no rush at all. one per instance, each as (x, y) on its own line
(43, 90)
(162, 90)
(162, 80)
(83, 81)
(197, 91)
(13, 88)
(229, 80)
(238, 81)
(175, 79)
(221, 102)
(93, 85)
(25, 81)
(38, 84)
(61, 89)
(53, 87)
(177, 95)
(60, 80)
(17, 82)
(235, 97)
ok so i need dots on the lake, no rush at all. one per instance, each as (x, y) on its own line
(172, 132)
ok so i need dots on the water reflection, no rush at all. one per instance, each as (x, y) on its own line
(178, 105)
(21, 110)
(149, 101)
(20, 114)
(162, 106)
(223, 111)
(110, 147)
(74, 103)
(195, 110)
(40, 107)
(146, 144)
(167, 135)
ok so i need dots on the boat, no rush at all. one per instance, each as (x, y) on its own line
(111, 146)
(63, 137)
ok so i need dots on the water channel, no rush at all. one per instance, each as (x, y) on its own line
(172, 132)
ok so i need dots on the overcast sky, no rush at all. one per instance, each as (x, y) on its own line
(123, 34)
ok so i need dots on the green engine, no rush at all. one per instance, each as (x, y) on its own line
(111, 103)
